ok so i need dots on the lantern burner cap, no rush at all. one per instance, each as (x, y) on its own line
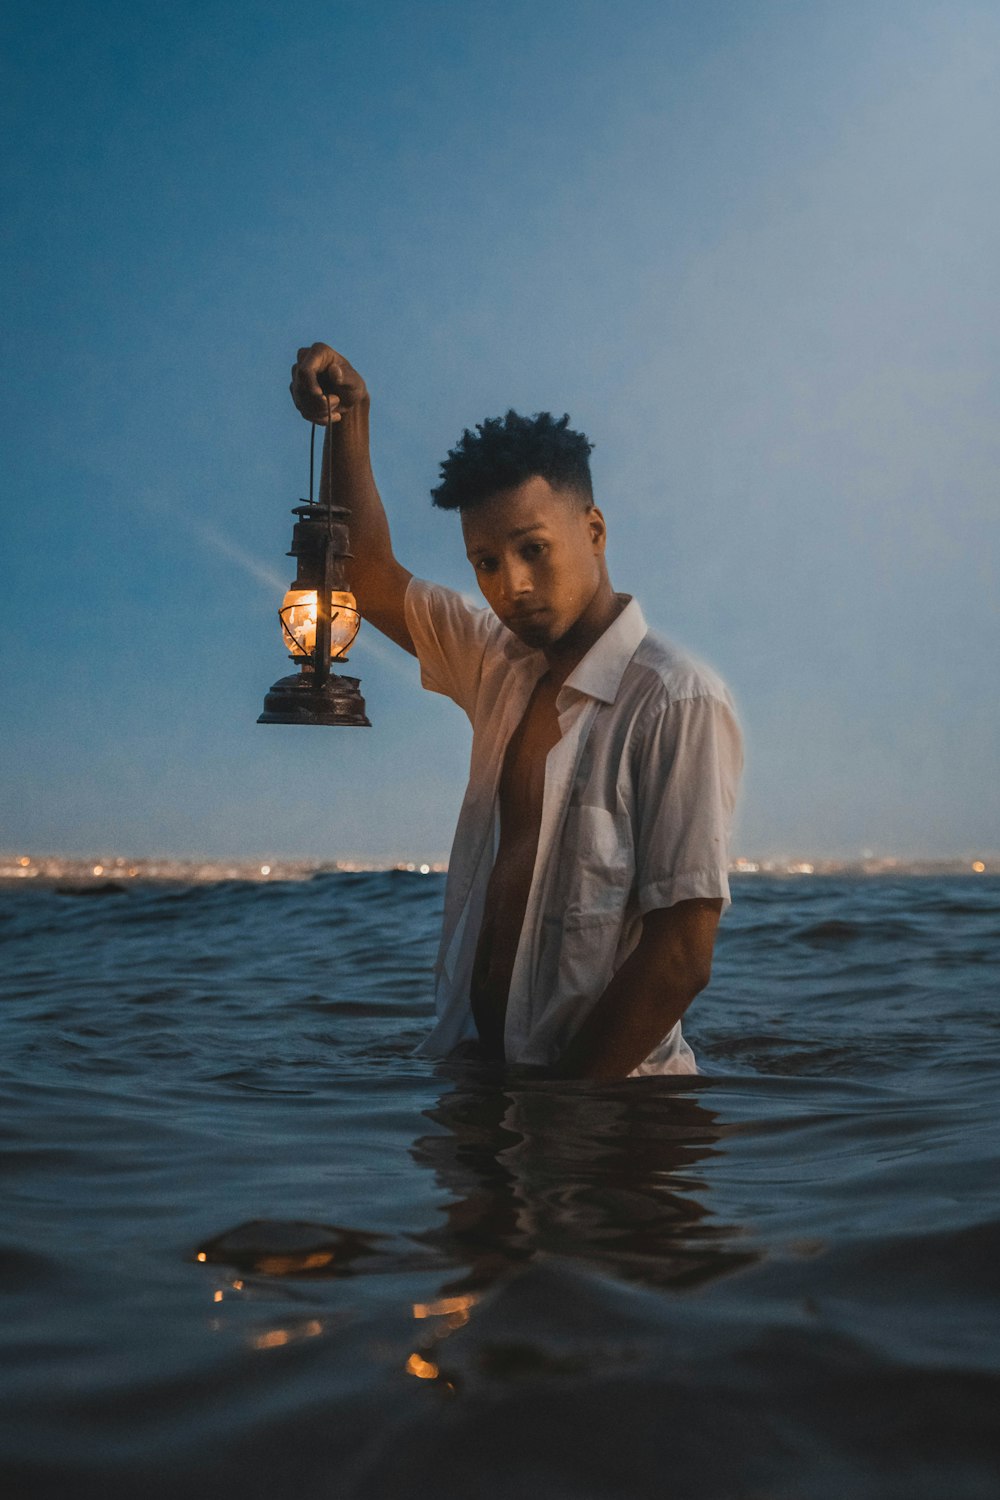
(319, 512)
(297, 700)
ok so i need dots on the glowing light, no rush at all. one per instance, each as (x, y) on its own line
(276, 1338)
(424, 1369)
(425, 869)
(217, 1297)
(978, 866)
(24, 863)
(272, 1340)
(201, 1256)
(443, 1307)
(98, 869)
(290, 1265)
(298, 621)
(265, 869)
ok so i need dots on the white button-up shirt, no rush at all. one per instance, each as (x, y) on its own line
(636, 813)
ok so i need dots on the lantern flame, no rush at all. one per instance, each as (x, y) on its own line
(298, 622)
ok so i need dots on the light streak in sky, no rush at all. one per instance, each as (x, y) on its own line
(212, 537)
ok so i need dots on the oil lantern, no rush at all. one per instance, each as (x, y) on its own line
(319, 620)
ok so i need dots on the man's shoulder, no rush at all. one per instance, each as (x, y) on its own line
(663, 672)
(461, 647)
(457, 616)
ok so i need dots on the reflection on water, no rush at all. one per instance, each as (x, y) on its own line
(598, 1174)
(601, 1174)
(281, 1247)
(277, 1338)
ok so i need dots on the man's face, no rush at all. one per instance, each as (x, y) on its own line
(538, 557)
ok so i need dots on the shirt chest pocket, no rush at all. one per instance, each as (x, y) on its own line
(597, 866)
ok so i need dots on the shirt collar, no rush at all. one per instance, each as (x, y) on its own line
(600, 672)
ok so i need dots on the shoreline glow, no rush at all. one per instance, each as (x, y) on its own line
(121, 870)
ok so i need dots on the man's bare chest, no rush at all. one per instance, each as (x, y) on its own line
(522, 780)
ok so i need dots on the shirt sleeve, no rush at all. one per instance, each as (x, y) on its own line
(451, 637)
(690, 758)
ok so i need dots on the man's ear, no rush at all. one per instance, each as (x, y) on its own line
(598, 527)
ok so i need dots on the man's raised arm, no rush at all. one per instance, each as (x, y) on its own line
(328, 391)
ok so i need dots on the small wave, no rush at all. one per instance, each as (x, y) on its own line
(282, 1247)
(838, 931)
(106, 888)
(22, 1270)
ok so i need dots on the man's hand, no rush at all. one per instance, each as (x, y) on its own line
(325, 384)
(671, 963)
(378, 580)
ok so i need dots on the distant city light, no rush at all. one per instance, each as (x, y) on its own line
(82, 869)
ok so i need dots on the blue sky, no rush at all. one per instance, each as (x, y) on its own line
(751, 248)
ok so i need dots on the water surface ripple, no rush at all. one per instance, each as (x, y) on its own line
(778, 1279)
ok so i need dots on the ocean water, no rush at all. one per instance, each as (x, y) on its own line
(251, 1246)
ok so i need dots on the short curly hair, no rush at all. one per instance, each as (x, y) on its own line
(505, 451)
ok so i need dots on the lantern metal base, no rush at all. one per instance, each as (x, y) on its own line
(297, 700)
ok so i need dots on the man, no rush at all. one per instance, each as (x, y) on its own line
(589, 867)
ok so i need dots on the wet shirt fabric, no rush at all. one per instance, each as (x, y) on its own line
(636, 813)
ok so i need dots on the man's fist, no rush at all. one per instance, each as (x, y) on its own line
(324, 384)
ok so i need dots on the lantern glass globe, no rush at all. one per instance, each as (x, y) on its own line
(298, 622)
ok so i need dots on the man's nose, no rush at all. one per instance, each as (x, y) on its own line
(515, 579)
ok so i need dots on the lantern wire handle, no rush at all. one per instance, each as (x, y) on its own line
(329, 475)
(312, 458)
(324, 615)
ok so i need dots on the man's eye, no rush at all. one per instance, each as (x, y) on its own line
(486, 565)
(534, 549)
